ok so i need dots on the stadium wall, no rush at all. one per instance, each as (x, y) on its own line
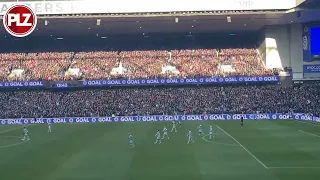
(262, 48)
(284, 48)
(277, 47)
(296, 53)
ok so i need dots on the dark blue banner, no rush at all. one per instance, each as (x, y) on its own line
(269, 116)
(181, 81)
(311, 68)
(22, 84)
(140, 82)
(306, 117)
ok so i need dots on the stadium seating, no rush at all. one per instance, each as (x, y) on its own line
(53, 66)
(9, 62)
(158, 101)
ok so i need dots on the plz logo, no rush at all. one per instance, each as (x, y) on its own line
(20, 20)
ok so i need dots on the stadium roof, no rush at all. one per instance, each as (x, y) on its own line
(184, 24)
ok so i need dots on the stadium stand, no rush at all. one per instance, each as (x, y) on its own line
(53, 66)
(158, 101)
(182, 58)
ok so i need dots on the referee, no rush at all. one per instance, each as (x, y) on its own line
(241, 120)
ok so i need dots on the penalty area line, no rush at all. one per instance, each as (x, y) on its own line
(212, 142)
(243, 147)
(309, 133)
(8, 130)
(15, 144)
(310, 123)
(12, 129)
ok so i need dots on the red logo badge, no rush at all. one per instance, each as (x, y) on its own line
(20, 20)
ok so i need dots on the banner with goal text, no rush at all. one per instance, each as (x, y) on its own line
(268, 116)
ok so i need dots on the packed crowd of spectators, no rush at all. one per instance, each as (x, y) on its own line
(46, 66)
(8, 62)
(35, 66)
(133, 64)
(94, 65)
(158, 101)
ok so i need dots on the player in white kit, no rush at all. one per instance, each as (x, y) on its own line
(174, 126)
(49, 127)
(190, 138)
(131, 140)
(200, 130)
(256, 117)
(165, 132)
(25, 134)
(158, 136)
(211, 132)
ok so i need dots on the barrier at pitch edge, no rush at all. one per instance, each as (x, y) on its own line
(22, 84)
(178, 81)
(158, 81)
(270, 116)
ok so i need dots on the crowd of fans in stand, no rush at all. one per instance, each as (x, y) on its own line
(138, 64)
(36, 66)
(158, 101)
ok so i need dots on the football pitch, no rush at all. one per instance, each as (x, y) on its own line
(266, 150)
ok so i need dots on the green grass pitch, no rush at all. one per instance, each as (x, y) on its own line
(266, 150)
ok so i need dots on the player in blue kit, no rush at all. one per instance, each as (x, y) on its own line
(25, 134)
(200, 130)
(158, 137)
(165, 133)
(131, 140)
(211, 132)
(190, 137)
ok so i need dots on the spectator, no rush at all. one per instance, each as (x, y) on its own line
(54, 66)
(158, 101)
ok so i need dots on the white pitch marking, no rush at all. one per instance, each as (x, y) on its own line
(309, 133)
(16, 144)
(226, 144)
(294, 167)
(243, 147)
(8, 130)
(304, 122)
